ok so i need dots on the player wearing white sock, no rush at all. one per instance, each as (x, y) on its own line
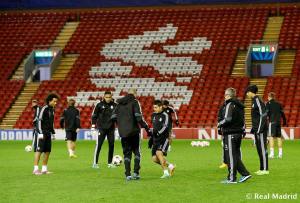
(160, 139)
(70, 119)
(275, 113)
(45, 131)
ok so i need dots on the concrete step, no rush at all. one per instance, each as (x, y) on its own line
(271, 34)
(240, 68)
(281, 62)
(12, 117)
(68, 59)
(286, 58)
(24, 102)
(4, 126)
(64, 68)
(58, 45)
(14, 112)
(9, 121)
(57, 72)
(240, 60)
(66, 63)
(27, 92)
(60, 41)
(283, 71)
(241, 57)
(70, 26)
(65, 34)
(238, 65)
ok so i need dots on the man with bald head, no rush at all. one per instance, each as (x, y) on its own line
(129, 117)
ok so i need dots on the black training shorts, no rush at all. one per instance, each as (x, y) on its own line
(161, 146)
(274, 130)
(71, 135)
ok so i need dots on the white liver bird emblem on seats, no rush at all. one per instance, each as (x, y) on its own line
(132, 50)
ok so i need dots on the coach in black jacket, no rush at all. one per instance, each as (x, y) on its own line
(129, 118)
(101, 118)
(232, 124)
(70, 120)
(259, 128)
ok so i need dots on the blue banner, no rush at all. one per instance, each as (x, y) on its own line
(60, 134)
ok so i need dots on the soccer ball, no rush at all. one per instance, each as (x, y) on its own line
(28, 148)
(117, 160)
(206, 143)
(200, 144)
(194, 143)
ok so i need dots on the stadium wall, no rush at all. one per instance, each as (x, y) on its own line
(35, 4)
(179, 133)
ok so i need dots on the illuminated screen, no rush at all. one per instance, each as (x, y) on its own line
(262, 52)
(43, 57)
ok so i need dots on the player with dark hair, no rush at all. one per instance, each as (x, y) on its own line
(70, 120)
(129, 117)
(170, 111)
(160, 135)
(259, 128)
(101, 119)
(275, 113)
(45, 132)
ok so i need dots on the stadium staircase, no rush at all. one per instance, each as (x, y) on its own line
(239, 65)
(64, 67)
(19, 73)
(273, 28)
(67, 60)
(19, 105)
(285, 63)
(65, 35)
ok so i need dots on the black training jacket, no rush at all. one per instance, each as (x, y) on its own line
(101, 116)
(70, 119)
(128, 115)
(258, 115)
(46, 121)
(275, 112)
(160, 122)
(231, 117)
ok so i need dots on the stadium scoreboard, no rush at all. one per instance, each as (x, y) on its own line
(262, 52)
(43, 57)
(261, 59)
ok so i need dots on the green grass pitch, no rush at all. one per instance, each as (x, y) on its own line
(196, 179)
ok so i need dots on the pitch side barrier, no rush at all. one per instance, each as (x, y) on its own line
(290, 133)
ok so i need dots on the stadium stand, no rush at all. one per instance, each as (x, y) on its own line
(287, 88)
(143, 48)
(19, 34)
